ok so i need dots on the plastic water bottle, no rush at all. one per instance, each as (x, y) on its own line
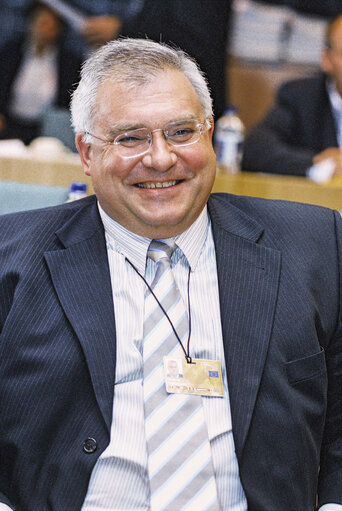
(229, 137)
(77, 191)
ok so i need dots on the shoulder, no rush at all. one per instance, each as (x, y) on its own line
(278, 215)
(39, 225)
(303, 87)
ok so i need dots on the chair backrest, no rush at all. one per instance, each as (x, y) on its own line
(56, 123)
(22, 196)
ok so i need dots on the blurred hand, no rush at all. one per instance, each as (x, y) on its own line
(335, 154)
(101, 29)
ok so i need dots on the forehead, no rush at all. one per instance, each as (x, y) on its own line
(165, 97)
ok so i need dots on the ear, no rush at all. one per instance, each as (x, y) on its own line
(211, 129)
(84, 150)
(326, 61)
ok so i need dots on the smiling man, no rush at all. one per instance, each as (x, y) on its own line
(160, 192)
(100, 296)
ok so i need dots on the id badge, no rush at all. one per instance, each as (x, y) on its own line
(201, 377)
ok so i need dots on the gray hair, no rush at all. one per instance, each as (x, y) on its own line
(131, 61)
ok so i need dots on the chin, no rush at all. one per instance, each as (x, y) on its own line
(155, 229)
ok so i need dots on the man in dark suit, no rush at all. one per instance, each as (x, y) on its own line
(301, 135)
(264, 280)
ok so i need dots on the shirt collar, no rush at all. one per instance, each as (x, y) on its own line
(134, 247)
(335, 98)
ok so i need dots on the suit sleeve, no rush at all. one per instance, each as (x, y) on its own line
(3, 504)
(330, 477)
(272, 145)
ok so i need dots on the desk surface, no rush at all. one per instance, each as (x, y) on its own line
(44, 172)
(273, 186)
(62, 173)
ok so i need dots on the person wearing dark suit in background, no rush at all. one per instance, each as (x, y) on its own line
(199, 27)
(36, 72)
(302, 133)
(261, 286)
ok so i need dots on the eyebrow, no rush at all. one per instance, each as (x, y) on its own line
(120, 128)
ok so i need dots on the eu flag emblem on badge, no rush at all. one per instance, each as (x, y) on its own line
(213, 374)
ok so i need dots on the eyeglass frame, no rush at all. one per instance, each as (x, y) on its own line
(206, 123)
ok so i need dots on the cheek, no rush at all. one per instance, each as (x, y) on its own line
(105, 167)
(202, 162)
(194, 160)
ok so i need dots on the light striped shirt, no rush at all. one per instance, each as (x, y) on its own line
(120, 479)
(336, 107)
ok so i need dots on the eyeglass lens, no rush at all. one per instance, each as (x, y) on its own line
(136, 141)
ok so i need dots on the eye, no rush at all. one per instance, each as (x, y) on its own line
(131, 138)
(181, 133)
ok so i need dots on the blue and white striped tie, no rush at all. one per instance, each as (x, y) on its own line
(179, 456)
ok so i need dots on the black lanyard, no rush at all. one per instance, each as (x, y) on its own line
(187, 351)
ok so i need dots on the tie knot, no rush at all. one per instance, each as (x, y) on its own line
(161, 249)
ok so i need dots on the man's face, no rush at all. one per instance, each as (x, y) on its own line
(332, 57)
(172, 368)
(45, 27)
(126, 187)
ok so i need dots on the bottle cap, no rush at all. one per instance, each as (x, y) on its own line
(78, 187)
(230, 109)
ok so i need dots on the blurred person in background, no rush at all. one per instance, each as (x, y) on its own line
(36, 72)
(302, 133)
(199, 27)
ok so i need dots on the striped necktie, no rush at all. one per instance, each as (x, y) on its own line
(179, 456)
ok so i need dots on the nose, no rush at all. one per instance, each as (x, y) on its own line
(161, 155)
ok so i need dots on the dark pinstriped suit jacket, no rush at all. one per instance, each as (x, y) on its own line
(279, 274)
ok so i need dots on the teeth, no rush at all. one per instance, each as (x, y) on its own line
(158, 185)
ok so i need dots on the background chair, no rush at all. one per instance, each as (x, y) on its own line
(22, 196)
(56, 123)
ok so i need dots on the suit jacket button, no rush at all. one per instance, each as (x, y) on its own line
(89, 445)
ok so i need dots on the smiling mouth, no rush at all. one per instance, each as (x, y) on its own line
(165, 184)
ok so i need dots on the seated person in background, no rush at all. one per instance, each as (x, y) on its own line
(35, 73)
(199, 27)
(302, 133)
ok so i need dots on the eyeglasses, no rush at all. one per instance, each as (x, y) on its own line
(136, 142)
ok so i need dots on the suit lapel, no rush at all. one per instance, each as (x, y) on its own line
(328, 136)
(248, 282)
(326, 131)
(248, 275)
(80, 275)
